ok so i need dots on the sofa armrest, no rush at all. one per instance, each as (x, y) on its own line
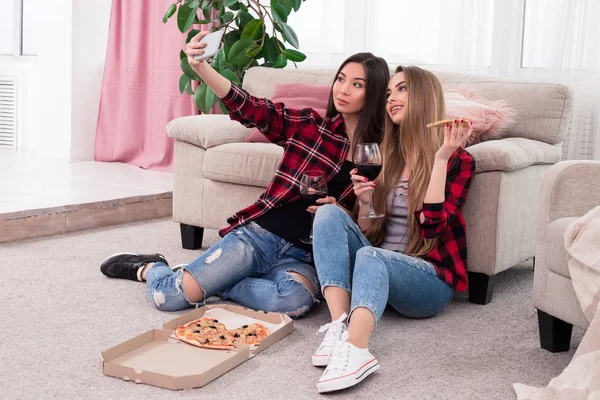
(208, 130)
(511, 154)
(569, 189)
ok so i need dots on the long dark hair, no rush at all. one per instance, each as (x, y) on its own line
(371, 121)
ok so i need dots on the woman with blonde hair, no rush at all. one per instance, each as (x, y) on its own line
(416, 255)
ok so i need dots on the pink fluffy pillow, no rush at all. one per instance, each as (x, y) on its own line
(297, 96)
(490, 118)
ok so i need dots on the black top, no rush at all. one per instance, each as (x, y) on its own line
(291, 221)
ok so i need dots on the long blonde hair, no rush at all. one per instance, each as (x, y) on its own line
(413, 143)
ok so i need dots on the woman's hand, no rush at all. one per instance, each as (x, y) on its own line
(455, 135)
(362, 187)
(323, 201)
(194, 48)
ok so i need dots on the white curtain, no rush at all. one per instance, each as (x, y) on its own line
(545, 40)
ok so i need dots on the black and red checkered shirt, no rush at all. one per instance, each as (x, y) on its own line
(446, 222)
(309, 141)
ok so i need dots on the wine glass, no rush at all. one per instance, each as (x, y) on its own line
(313, 186)
(368, 162)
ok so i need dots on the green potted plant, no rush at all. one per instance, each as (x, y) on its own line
(255, 34)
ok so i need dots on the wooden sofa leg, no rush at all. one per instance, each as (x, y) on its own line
(481, 288)
(191, 236)
(555, 334)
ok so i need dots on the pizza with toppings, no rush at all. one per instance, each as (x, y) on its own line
(210, 333)
(250, 334)
(205, 332)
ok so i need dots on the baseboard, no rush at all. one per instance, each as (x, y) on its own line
(51, 221)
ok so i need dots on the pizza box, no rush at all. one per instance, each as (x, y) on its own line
(157, 358)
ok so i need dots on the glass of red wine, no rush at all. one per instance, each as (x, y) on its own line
(368, 161)
(313, 186)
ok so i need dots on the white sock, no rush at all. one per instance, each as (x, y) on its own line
(139, 272)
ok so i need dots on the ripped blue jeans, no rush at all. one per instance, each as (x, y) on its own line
(249, 266)
(374, 277)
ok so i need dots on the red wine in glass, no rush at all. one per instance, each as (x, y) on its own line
(311, 198)
(368, 161)
(313, 186)
(369, 171)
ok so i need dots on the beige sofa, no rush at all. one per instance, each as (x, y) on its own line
(569, 190)
(217, 173)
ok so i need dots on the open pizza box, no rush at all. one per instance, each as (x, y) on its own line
(157, 358)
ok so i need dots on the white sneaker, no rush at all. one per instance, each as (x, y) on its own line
(334, 329)
(348, 366)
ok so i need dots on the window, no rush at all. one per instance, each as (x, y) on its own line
(6, 27)
(320, 26)
(431, 31)
(31, 26)
(20, 22)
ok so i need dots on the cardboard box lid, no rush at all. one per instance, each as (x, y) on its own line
(157, 359)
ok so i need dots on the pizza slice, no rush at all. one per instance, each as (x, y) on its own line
(441, 124)
(250, 334)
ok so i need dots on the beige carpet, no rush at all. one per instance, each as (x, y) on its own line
(53, 287)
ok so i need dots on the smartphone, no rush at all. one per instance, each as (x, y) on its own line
(212, 41)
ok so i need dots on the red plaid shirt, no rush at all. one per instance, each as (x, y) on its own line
(446, 222)
(309, 141)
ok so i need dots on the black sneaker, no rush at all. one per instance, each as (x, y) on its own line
(126, 265)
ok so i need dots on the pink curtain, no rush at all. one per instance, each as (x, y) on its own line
(140, 89)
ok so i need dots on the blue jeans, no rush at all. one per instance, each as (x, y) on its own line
(374, 277)
(249, 266)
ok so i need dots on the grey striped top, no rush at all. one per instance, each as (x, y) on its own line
(396, 230)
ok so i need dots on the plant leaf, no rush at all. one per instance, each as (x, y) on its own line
(224, 109)
(281, 61)
(253, 29)
(297, 4)
(294, 55)
(288, 4)
(188, 87)
(253, 51)
(229, 74)
(243, 18)
(185, 67)
(279, 12)
(182, 55)
(218, 62)
(226, 17)
(183, 79)
(237, 55)
(270, 51)
(191, 34)
(231, 3)
(185, 17)
(207, 12)
(289, 35)
(169, 13)
(205, 98)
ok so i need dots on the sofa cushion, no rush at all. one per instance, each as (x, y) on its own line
(555, 246)
(296, 96)
(544, 109)
(207, 131)
(511, 154)
(243, 163)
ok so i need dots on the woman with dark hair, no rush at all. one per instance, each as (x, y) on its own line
(260, 262)
(416, 255)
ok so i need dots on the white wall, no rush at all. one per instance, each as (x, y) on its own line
(50, 133)
(59, 90)
(90, 37)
